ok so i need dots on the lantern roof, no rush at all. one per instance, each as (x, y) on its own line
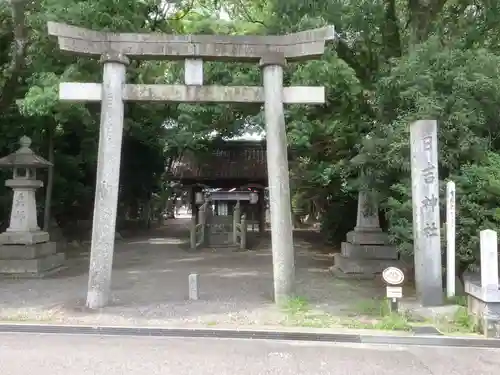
(24, 157)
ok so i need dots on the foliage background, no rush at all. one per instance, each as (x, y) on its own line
(394, 62)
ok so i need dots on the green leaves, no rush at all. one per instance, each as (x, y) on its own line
(42, 97)
(377, 80)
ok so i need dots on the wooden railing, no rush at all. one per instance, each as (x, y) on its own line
(197, 230)
(239, 227)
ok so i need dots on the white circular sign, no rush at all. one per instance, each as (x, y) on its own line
(393, 276)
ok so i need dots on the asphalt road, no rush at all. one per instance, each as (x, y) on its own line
(23, 354)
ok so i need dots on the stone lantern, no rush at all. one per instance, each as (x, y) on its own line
(199, 198)
(24, 248)
(254, 197)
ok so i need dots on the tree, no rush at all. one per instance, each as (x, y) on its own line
(393, 62)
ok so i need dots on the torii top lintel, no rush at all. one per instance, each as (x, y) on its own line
(303, 45)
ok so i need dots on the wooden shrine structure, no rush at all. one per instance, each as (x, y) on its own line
(227, 178)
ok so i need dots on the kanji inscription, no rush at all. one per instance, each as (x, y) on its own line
(427, 141)
(430, 202)
(431, 230)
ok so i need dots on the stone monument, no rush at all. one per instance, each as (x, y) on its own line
(483, 293)
(25, 250)
(367, 251)
(426, 221)
(115, 51)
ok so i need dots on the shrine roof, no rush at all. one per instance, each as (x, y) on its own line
(223, 161)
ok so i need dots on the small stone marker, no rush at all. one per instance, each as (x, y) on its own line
(489, 259)
(193, 286)
(394, 277)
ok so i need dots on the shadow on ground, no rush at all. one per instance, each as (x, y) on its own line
(150, 285)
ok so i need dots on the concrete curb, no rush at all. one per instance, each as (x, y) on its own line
(357, 338)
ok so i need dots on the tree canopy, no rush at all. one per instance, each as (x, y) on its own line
(393, 62)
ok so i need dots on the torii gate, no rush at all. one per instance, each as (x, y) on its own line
(115, 50)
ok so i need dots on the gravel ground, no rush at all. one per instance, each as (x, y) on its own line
(150, 286)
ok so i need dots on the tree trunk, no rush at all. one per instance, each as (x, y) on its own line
(18, 52)
(390, 31)
(422, 15)
(50, 181)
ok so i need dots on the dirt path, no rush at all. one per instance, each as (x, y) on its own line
(150, 286)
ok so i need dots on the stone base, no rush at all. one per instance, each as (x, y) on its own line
(225, 247)
(367, 238)
(368, 229)
(37, 260)
(23, 238)
(484, 306)
(339, 274)
(349, 250)
(27, 251)
(364, 268)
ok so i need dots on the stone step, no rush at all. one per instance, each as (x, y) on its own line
(27, 251)
(367, 238)
(363, 266)
(350, 250)
(38, 267)
(23, 238)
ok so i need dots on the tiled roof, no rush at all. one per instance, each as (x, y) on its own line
(223, 160)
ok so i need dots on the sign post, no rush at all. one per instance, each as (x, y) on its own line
(394, 278)
(450, 239)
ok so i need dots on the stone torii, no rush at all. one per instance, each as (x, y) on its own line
(115, 50)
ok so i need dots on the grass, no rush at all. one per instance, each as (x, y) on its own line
(457, 300)
(460, 322)
(296, 305)
(372, 307)
(299, 313)
(391, 322)
(26, 318)
(370, 314)
(375, 314)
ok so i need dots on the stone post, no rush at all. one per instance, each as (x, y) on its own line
(193, 286)
(203, 212)
(426, 222)
(272, 65)
(483, 294)
(262, 211)
(192, 233)
(450, 240)
(489, 259)
(107, 180)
